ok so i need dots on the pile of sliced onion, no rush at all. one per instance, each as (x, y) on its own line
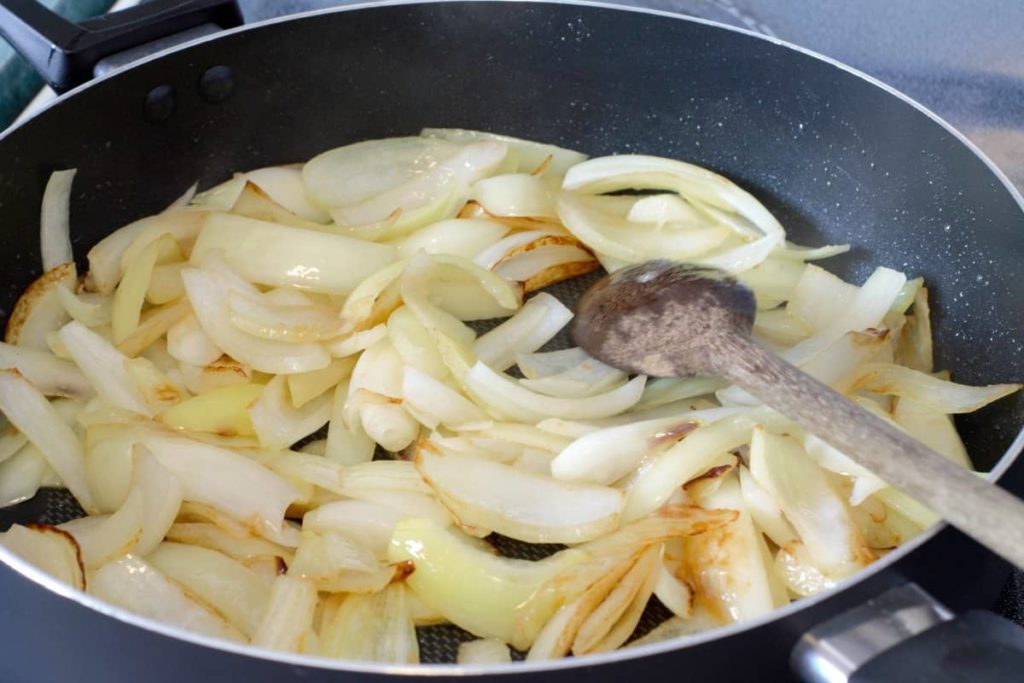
(273, 404)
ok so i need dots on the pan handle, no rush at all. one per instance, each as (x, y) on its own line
(905, 634)
(67, 54)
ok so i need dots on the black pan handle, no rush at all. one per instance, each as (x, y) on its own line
(66, 54)
(906, 635)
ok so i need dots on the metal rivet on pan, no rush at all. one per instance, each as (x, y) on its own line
(159, 104)
(216, 84)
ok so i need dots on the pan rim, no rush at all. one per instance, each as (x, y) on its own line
(677, 644)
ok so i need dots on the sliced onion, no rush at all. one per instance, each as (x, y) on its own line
(473, 588)
(368, 523)
(182, 226)
(252, 202)
(866, 310)
(209, 289)
(37, 419)
(661, 209)
(457, 236)
(606, 455)
(414, 344)
(611, 235)
(928, 391)
(223, 372)
(303, 323)
(675, 594)
(514, 194)
(306, 386)
(384, 420)
(613, 621)
(379, 369)
(22, 474)
(434, 403)
(39, 310)
(105, 368)
(142, 520)
(547, 261)
(507, 398)
(765, 511)
(187, 342)
(50, 549)
(154, 324)
(573, 375)
(278, 423)
(277, 255)
(730, 566)
(819, 298)
(772, 280)
(914, 348)
(528, 155)
(165, 284)
(817, 513)
(54, 220)
(443, 181)
(684, 461)
(161, 497)
(493, 255)
(346, 445)
(373, 628)
(92, 310)
(224, 410)
(483, 651)
(358, 172)
(320, 556)
(534, 325)
(221, 197)
(213, 537)
(373, 300)
(693, 183)
(283, 184)
(464, 289)
(357, 342)
(138, 587)
(227, 481)
(224, 584)
(50, 375)
(289, 615)
(934, 429)
(797, 569)
(516, 503)
(131, 291)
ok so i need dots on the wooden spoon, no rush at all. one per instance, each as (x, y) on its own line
(666, 319)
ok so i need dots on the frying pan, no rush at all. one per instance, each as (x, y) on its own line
(837, 156)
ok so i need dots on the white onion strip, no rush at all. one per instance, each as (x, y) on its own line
(55, 222)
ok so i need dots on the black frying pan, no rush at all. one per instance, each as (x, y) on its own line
(837, 157)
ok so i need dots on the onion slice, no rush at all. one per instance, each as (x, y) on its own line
(138, 587)
(532, 326)
(507, 398)
(51, 375)
(50, 549)
(39, 310)
(37, 419)
(516, 503)
(209, 290)
(105, 367)
(54, 220)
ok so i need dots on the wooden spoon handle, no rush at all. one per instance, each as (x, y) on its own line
(982, 510)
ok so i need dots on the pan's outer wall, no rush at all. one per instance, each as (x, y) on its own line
(835, 157)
